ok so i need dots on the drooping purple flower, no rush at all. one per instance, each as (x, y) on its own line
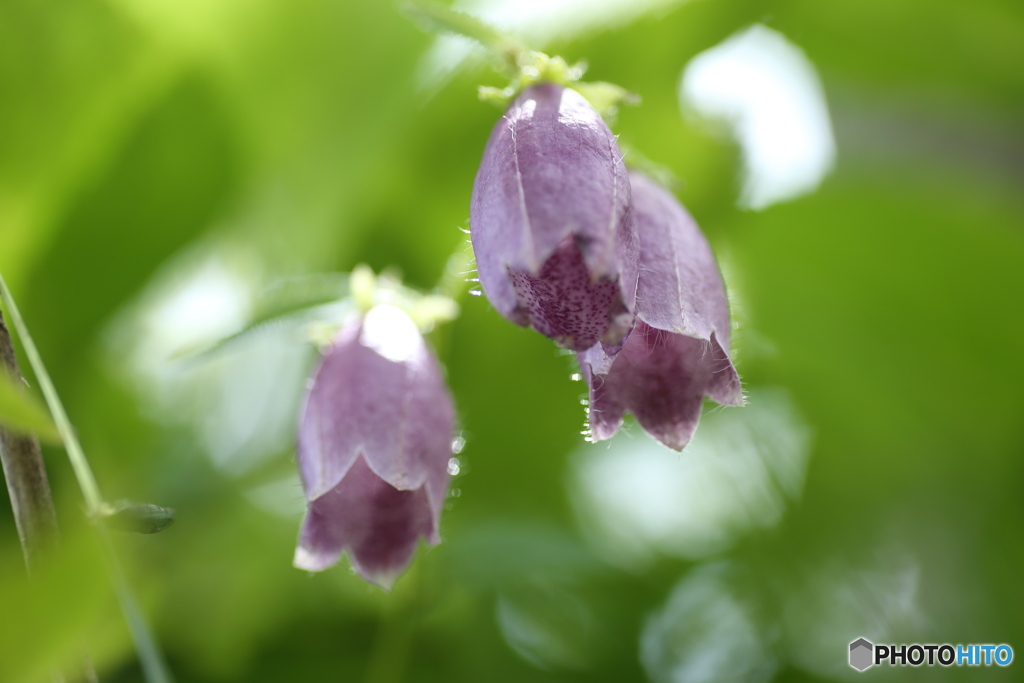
(373, 448)
(678, 351)
(550, 220)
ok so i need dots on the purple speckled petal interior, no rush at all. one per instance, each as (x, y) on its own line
(564, 304)
(552, 185)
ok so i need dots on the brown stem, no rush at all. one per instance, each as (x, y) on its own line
(29, 489)
(26, 475)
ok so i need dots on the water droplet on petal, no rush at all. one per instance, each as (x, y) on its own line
(458, 443)
(453, 466)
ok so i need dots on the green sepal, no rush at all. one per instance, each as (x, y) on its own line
(139, 518)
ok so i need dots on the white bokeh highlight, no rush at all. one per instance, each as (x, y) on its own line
(242, 400)
(704, 633)
(877, 596)
(767, 91)
(636, 499)
(391, 333)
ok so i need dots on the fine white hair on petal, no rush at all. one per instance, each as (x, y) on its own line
(391, 333)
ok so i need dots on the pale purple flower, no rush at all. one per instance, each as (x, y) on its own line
(678, 352)
(550, 220)
(373, 448)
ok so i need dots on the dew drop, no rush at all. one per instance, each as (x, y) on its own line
(455, 493)
(453, 466)
(584, 402)
(475, 292)
(458, 443)
(576, 377)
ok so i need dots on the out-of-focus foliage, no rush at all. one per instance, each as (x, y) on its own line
(20, 412)
(161, 163)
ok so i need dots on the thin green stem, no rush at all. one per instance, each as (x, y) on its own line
(441, 18)
(525, 67)
(86, 479)
(29, 490)
(153, 668)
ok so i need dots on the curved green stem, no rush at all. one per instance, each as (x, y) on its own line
(153, 668)
(525, 66)
(440, 18)
(83, 473)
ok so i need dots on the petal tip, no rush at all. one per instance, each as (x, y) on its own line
(675, 435)
(604, 428)
(314, 561)
(673, 441)
(383, 578)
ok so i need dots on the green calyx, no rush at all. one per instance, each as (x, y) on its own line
(524, 67)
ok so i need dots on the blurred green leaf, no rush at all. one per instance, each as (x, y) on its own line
(21, 412)
(47, 619)
(282, 301)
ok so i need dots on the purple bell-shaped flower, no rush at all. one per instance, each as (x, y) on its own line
(373, 448)
(550, 220)
(678, 351)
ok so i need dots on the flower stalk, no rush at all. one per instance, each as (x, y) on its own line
(523, 66)
(83, 473)
(25, 473)
(153, 667)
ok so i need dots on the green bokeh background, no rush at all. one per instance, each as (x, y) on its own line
(289, 137)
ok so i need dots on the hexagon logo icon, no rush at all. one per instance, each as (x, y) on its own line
(860, 654)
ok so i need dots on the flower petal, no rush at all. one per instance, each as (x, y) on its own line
(724, 386)
(393, 409)
(661, 377)
(378, 524)
(564, 304)
(552, 185)
(680, 288)
(678, 351)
